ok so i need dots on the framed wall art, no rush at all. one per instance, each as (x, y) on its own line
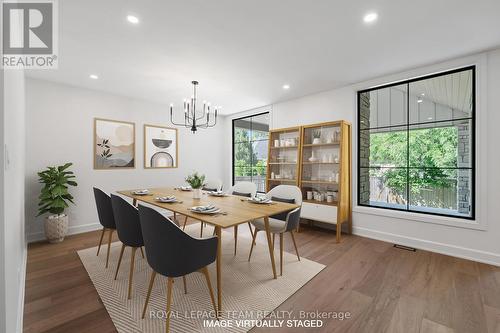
(160, 147)
(114, 144)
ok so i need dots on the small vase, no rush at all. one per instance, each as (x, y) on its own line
(197, 193)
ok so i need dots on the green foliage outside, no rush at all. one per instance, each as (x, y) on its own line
(54, 196)
(246, 161)
(430, 148)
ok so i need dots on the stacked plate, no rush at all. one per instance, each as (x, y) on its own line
(185, 188)
(141, 192)
(167, 199)
(217, 193)
(207, 209)
(260, 200)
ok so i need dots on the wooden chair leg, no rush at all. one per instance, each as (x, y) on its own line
(201, 230)
(204, 270)
(151, 282)
(295, 244)
(185, 284)
(235, 238)
(119, 260)
(251, 231)
(131, 274)
(185, 221)
(142, 252)
(273, 239)
(175, 216)
(100, 240)
(281, 254)
(109, 246)
(253, 242)
(170, 281)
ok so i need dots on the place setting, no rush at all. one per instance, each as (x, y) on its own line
(168, 199)
(259, 200)
(143, 192)
(209, 209)
(217, 193)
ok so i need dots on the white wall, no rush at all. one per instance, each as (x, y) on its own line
(60, 129)
(479, 241)
(13, 243)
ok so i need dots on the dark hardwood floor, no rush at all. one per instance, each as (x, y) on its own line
(385, 289)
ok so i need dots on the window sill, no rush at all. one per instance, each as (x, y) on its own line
(418, 217)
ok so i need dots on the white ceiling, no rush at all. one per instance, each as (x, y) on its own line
(242, 52)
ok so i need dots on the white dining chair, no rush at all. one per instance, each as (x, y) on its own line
(244, 189)
(283, 222)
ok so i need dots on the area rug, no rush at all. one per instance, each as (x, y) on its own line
(249, 292)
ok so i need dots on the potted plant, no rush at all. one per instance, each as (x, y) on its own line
(196, 181)
(316, 137)
(54, 198)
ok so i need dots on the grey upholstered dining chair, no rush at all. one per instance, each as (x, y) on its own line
(210, 185)
(173, 253)
(106, 218)
(283, 222)
(129, 232)
(243, 189)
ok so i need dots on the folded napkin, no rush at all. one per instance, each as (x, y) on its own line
(203, 208)
(169, 197)
(142, 191)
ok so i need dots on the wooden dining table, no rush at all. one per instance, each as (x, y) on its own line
(235, 210)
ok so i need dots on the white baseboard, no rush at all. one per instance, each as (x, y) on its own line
(451, 250)
(72, 230)
(22, 286)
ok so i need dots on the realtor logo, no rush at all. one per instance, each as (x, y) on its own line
(29, 38)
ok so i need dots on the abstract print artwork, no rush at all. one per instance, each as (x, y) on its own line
(160, 147)
(114, 144)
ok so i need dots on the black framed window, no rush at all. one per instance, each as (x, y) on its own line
(416, 145)
(250, 149)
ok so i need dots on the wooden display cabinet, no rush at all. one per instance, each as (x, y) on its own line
(283, 158)
(319, 162)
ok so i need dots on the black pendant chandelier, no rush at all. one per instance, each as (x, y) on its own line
(205, 119)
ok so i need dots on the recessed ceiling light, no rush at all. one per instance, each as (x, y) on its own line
(430, 118)
(132, 19)
(286, 86)
(370, 17)
(93, 76)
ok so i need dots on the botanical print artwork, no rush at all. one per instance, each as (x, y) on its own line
(114, 144)
(160, 147)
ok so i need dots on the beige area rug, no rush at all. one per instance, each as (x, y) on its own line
(248, 290)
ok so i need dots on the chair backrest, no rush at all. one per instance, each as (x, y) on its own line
(169, 250)
(244, 188)
(213, 185)
(286, 192)
(128, 225)
(104, 209)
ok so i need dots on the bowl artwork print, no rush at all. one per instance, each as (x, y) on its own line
(160, 147)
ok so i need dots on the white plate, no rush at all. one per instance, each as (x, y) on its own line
(166, 200)
(260, 202)
(142, 192)
(184, 188)
(217, 194)
(208, 212)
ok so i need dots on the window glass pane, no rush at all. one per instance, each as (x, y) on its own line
(441, 191)
(250, 149)
(384, 187)
(260, 127)
(384, 147)
(383, 107)
(443, 97)
(441, 145)
(243, 154)
(242, 130)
